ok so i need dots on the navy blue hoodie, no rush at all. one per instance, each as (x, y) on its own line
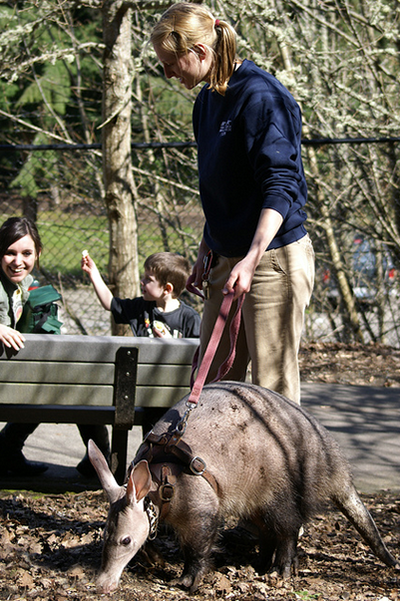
(249, 159)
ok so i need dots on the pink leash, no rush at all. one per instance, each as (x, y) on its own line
(212, 346)
(197, 384)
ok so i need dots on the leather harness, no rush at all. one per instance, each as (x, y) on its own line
(168, 456)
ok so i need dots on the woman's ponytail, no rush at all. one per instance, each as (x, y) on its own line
(224, 57)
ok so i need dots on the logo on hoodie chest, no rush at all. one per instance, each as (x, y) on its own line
(225, 127)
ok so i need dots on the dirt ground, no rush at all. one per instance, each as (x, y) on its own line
(357, 364)
(50, 545)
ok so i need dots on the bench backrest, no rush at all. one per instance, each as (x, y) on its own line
(80, 370)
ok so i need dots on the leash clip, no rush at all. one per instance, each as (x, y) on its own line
(180, 427)
(207, 263)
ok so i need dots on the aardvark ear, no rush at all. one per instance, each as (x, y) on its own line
(107, 480)
(139, 482)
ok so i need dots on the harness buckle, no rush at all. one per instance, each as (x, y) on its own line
(197, 471)
(166, 492)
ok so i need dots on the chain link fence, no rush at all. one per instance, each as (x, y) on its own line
(61, 189)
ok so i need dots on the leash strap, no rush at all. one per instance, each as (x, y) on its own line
(212, 346)
(190, 288)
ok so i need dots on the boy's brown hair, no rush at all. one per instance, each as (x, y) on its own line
(170, 268)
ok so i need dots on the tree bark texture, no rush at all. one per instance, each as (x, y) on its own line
(119, 184)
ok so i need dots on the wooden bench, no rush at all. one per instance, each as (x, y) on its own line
(93, 380)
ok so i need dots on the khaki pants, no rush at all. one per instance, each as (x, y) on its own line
(272, 318)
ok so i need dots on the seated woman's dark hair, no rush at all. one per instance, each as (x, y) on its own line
(15, 228)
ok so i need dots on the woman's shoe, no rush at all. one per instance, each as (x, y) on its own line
(14, 462)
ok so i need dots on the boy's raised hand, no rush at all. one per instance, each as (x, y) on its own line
(103, 292)
(87, 263)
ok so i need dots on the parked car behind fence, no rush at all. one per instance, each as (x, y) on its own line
(368, 268)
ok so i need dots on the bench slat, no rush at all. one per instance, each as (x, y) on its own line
(157, 396)
(56, 372)
(60, 394)
(46, 394)
(90, 373)
(163, 375)
(100, 349)
(54, 414)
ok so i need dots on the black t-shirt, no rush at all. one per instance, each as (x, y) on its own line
(142, 316)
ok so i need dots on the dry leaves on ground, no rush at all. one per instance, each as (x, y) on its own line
(50, 549)
(50, 545)
(356, 364)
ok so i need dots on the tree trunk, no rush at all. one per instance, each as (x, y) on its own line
(119, 184)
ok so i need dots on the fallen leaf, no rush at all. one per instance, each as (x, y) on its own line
(25, 579)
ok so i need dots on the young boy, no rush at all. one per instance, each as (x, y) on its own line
(158, 312)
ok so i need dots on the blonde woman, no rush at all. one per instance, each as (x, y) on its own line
(253, 190)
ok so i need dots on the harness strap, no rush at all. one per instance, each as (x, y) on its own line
(156, 449)
(196, 464)
(165, 478)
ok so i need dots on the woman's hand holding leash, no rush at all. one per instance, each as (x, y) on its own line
(240, 278)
